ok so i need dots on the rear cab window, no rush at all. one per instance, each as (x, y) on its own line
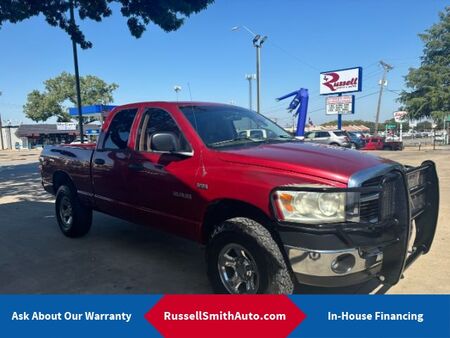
(119, 130)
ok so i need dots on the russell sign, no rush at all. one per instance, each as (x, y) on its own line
(341, 81)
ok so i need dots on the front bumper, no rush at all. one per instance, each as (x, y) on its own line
(351, 253)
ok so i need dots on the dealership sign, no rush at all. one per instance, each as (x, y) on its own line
(341, 81)
(400, 116)
(340, 104)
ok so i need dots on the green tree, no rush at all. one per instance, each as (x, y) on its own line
(41, 106)
(429, 85)
(169, 15)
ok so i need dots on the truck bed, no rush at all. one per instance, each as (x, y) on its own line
(76, 161)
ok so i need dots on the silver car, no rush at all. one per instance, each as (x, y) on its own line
(330, 137)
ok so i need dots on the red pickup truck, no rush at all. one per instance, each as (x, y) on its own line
(271, 210)
(380, 143)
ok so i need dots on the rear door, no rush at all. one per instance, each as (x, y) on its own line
(110, 163)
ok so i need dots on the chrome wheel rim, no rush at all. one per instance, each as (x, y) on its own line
(238, 270)
(66, 212)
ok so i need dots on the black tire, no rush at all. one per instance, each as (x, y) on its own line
(387, 148)
(75, 222)
(334, 144)
(273, 275)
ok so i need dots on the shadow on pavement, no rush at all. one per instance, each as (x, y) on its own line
(115, 257)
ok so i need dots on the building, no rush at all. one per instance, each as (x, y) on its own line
(9, 138)
(35, 135)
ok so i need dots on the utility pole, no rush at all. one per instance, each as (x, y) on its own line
(386, 69)
(77, 75)
(250, 78)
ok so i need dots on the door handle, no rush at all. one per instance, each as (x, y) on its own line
(99, 161)
(136, 166)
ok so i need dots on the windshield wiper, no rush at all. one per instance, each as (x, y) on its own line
(286, 136)
(236, 139)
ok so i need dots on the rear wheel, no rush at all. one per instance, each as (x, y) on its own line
(334, 144)
(243, 258)
(74, 219)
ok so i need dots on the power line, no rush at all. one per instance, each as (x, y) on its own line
(293, 56)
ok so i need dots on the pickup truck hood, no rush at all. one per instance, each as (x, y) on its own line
(332, 163)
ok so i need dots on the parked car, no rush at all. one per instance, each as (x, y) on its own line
(253, 133)
(272, 211)
(357, 140)
(330, 137)
(394, 138)
(380, 143)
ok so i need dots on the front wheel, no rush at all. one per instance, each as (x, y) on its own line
(74, 219)
(243, 258)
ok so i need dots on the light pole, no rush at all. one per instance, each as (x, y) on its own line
(250, 78)
(1, 129)
(258, 41)
(77, 75)
(177, 89)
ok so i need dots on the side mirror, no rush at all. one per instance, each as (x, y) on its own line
(165, 142)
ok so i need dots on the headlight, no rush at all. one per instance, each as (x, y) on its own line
(311, 207)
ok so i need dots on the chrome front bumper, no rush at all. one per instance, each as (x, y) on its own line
(331, 263)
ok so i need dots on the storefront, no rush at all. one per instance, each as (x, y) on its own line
(38, 135)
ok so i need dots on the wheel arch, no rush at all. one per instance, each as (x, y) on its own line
(60, 178)
(221, 210)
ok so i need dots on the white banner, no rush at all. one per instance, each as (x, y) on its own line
(66, 126)
(339, 105)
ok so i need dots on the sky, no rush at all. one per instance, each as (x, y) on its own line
(205, 55)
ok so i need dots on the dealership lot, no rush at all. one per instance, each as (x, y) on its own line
(119, 257)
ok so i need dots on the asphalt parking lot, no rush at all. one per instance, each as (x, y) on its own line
(120, 257)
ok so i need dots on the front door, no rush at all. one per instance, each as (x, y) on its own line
(322, 137)
(163, 183)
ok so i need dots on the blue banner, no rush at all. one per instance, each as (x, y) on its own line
(125, 315)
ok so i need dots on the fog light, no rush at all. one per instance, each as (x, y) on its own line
(343, 263)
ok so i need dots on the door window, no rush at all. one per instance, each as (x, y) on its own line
(119, 130)
(154, 121)
(322, 134)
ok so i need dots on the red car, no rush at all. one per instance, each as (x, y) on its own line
(271, 210)
(380, 143)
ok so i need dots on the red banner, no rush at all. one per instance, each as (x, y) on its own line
(225, 316)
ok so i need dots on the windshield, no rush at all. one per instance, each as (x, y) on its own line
(228, 126)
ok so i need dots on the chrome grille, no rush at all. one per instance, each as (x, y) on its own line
(369, 202)
(388, 200)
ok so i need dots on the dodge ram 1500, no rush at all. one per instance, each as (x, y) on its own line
(271, 210)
